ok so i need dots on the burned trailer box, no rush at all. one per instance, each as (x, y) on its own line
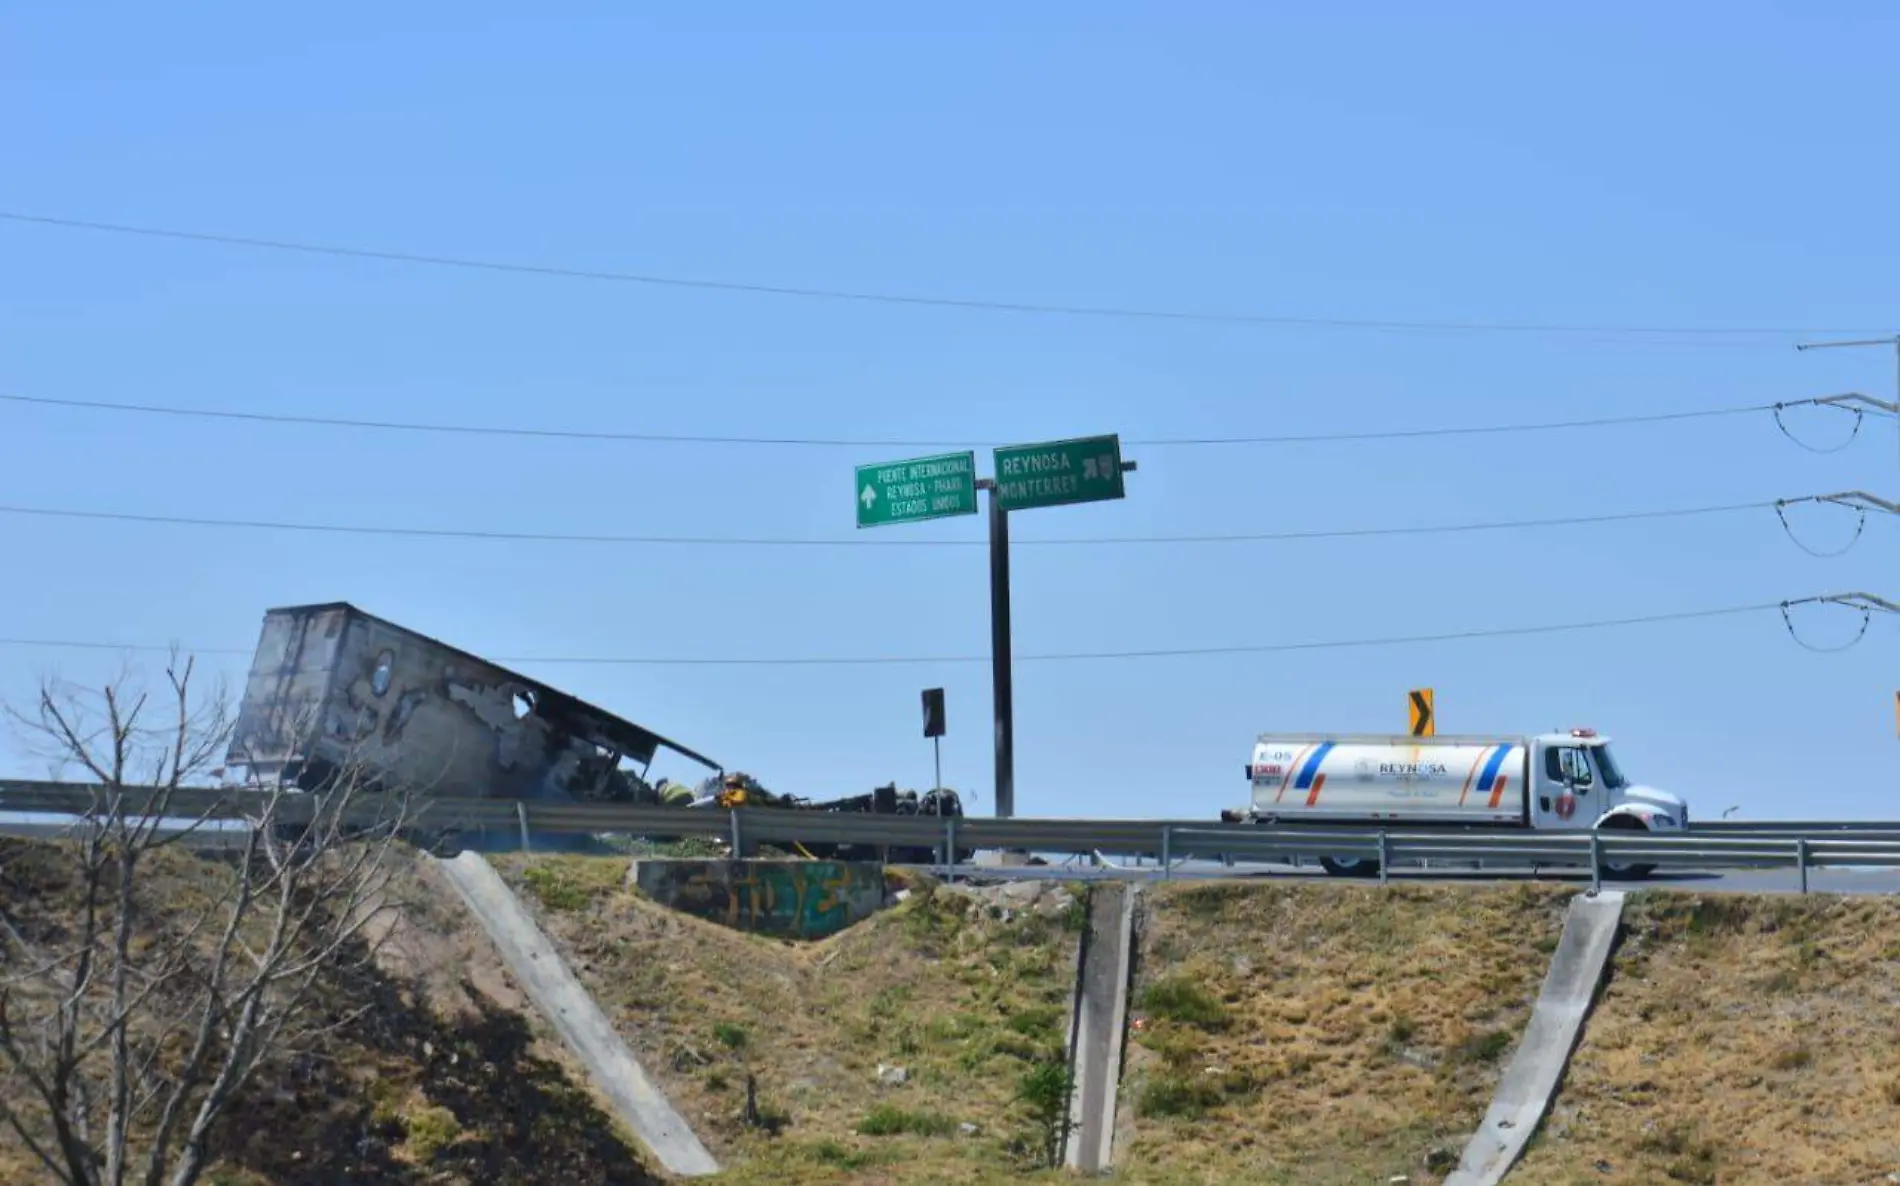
(335, 689)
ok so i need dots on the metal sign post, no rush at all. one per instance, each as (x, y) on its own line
(1002, 690)
(1050, 474)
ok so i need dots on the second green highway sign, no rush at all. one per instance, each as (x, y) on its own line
(1056, 473)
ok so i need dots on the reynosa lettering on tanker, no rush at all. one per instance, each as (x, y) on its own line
(1414, 769)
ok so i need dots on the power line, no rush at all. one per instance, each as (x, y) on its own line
(1051, 657)
(874, 443)
(891, 542)
(834, 294)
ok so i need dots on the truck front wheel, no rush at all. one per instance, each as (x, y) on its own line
(1624, 823)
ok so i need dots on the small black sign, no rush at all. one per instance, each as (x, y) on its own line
(933, 712)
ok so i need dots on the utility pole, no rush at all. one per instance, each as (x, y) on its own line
(1858, 403)
(1892, 343)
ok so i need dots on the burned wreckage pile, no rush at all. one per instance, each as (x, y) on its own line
(334, 689)
(742, 790)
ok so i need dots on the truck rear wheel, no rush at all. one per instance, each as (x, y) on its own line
(1349, 867)
(1609, 868)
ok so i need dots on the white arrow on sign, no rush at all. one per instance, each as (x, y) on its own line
(869, 496)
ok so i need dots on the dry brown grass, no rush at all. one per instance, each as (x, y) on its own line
(1288, 1033)
(1324, 1034)
(439, 1080)
(963, 999)
(1739, 1040)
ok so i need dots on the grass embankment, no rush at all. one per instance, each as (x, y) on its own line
(968, 994)
(1324, 1034)
(432, 1073)
(1739, 1040)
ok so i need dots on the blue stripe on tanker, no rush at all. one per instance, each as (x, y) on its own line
(1491, 769)
(1312, 766)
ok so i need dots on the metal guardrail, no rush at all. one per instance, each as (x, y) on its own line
(1801, 846)
(1860, 828)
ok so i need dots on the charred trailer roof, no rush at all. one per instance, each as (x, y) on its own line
(332, 688)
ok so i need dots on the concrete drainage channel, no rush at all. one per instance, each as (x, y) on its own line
(1524, 1093)
(570, 1008)
(1098, 1028)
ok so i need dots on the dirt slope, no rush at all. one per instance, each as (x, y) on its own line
(968, 994)
(1739, 1040)
(434, 1076)
(1284, 1033)
(1312, 1035)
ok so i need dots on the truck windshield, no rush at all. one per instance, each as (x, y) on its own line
(1607, 767)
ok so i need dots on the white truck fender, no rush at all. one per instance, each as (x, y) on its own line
(1641, 816)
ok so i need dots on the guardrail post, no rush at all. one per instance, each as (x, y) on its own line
(1596, 862)
(738, 839)
(1167, 853)
(949, 848)
(1385, 856)
(1801, 861)
(521, 817)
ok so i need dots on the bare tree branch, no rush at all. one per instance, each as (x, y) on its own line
(138, 1022)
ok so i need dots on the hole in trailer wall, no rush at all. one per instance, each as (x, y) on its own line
(524, 704)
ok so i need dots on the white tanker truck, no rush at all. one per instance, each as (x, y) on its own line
(1565, 782)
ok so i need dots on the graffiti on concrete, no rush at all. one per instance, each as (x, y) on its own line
(806, 899)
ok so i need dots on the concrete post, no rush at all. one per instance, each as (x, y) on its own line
(521, 817)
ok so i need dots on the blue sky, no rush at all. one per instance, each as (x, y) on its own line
(1454, 163)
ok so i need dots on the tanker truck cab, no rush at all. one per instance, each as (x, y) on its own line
(1580, 785)
(1567, 781)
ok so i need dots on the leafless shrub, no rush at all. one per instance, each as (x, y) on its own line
(128, 1030)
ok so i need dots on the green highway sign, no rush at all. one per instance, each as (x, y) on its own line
(1056, 473)
(912, 491)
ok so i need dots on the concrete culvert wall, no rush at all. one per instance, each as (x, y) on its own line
(803, 899)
